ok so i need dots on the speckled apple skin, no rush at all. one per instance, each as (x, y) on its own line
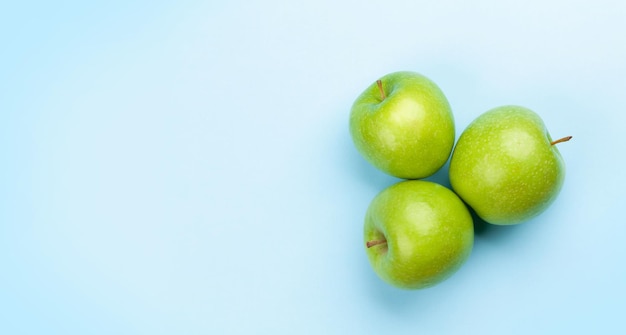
(429, 233)
(504, 166)
(409, 134)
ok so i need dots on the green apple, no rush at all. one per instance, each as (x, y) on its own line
(403, 125)
(506, 166)
(417, 234)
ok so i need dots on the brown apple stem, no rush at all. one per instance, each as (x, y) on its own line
(564, 139)
(380, 87)
(370, 244)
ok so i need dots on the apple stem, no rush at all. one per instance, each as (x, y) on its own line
(380, 87)
(564, 139)
(370, 244)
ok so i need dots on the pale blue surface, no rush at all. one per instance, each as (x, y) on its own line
(187, 169)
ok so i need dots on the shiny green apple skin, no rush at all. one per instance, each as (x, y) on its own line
(410, 133)
(428, 233)
(505, 167)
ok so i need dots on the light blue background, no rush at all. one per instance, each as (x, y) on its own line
(185, 167)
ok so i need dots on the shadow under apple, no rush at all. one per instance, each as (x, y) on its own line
(441, 176)
(398, 301)
(483, 229)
